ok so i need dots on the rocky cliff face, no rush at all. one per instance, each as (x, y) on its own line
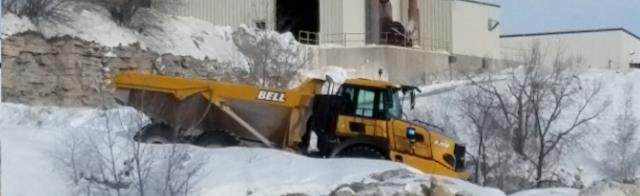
(67, 71)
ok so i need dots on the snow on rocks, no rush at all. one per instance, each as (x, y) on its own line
(187, 36)
(337, 74)
(599, 188)
(154, 31)
(548, 192)
(79, 21)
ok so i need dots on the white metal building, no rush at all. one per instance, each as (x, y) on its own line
(336, 21)
(230, 12)
(412, 40)
(476, 29)
(615, 48)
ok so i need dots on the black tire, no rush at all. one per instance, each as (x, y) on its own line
(362, 151)
(156, 133)
(217, 139)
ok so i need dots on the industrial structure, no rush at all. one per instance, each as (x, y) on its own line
(613, 48)
(413, 41)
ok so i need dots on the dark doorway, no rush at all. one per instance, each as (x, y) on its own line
(299, 15)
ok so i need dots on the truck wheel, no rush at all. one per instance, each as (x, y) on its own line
(217, 139)
(362, 151)
(157, 133)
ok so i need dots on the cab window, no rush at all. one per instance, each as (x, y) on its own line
(362, 102)
(365, 105)
(392, 102)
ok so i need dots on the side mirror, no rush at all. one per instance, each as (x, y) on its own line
(412, 96)
(411, 135)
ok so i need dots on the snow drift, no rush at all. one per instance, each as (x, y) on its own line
(31, 136)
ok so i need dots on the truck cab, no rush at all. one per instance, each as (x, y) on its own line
(367, 121)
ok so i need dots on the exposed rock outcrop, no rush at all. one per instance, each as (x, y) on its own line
(399, 182)
(67, 71)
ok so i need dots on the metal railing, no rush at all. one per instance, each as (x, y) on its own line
(384, 38)
(362, 39)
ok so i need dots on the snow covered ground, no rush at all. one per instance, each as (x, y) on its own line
(30, 135)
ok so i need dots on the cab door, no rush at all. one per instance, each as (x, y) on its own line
(363, 112)
(401, 144)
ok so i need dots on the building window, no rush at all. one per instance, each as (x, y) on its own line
(634, 65)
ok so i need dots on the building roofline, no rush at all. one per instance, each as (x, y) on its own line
(572, 32)
(481, 3)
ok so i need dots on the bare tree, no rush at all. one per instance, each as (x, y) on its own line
(551, 95)
(103, 161)
(621, 162)
(272, 62)
(478, 108)
(542, 107)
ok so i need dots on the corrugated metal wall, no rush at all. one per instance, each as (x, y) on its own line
(331, 18)
(435, 16)
(231, 12)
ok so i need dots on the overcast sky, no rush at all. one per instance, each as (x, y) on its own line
(530, 16)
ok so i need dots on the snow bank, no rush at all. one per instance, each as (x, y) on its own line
(29, 134)
(338, 74)
(609, 188)
(186, 36)
(90, 25)
(548, 192)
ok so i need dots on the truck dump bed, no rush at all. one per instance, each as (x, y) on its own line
(195, 106)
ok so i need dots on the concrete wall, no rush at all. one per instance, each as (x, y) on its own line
(596, 49)
(470, 29)
(231, 12)
(402, 65)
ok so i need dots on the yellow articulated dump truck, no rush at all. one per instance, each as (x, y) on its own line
(359, 118)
